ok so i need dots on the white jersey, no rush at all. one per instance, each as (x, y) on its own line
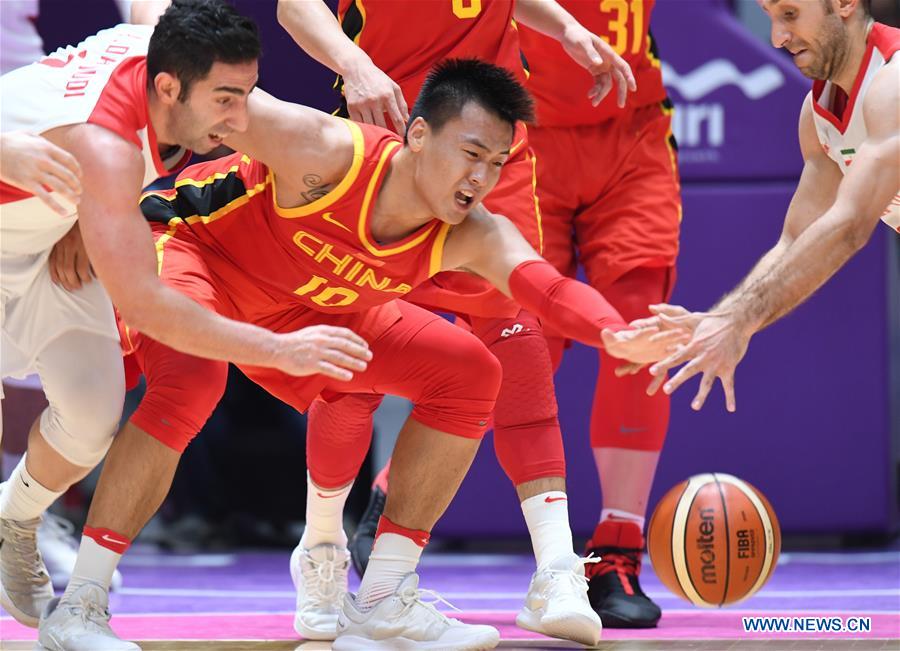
(842, 136)
(101, 81)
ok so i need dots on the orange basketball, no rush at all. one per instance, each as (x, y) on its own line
(714, 540)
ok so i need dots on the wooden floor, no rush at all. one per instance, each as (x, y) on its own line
(621, 645)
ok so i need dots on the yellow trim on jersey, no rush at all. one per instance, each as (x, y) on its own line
(161, 242)
(437, 249)
(359, 146)
(362, 12)
(518, 145)
(230, 206)
(215, 177)
(537, 203)
(656, 63)
(673, 161)
(364, 213)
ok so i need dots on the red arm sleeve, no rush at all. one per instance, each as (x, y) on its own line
(576, 310)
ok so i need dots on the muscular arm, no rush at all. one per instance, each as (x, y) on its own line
(490, 246)
(298, 144)
(370, 93)
(815, 193)
(121, 249)
(826, 244)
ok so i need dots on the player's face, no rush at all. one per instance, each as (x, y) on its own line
(461, 162)
(215, 107)
(812, 32)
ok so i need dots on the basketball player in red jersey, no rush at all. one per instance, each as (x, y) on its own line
(247, 240)
(849, 138)
(621, 223)
(128, 106)
(382, 55)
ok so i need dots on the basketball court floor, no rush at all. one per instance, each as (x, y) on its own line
(245, 601)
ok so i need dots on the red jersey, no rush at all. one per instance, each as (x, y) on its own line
(322, 256)
(560, 86)
(405, 38)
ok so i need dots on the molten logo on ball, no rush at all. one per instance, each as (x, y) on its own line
(705, 545)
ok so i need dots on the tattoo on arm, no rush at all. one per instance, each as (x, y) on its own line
(317, 188)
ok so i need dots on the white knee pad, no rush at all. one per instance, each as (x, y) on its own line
(84, 382)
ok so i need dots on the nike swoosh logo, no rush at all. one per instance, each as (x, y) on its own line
(631, 430)
(548, 500)
(326, 497)
(327, 217)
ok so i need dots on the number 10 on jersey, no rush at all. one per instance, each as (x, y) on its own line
(625, 14)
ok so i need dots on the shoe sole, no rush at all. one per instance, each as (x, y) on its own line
(358, 643)
(576, 628)
(317, 635)
(614, 621)
(18, 615)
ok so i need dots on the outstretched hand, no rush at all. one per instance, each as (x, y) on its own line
(716, 347)
(641, 345)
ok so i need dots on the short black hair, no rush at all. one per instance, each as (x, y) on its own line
(452, 83)
(193, 34)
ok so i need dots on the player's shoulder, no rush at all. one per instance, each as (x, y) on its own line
(103, 151)
(881, 104)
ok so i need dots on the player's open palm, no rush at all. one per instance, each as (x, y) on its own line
(715, 349)
(641, 345)
(371, 94)
(606, 67)
(36, 165)
(335, 352)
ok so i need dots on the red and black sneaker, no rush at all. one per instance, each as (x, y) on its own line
(613, 587)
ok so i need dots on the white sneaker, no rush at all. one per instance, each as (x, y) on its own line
(58, 546)
(81, 623)
(557, 603)
(320, 577)
(403, 621)
(24, 583)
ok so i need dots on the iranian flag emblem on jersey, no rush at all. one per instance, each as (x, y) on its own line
(848, 155)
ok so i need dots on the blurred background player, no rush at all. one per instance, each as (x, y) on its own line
(382, 62)
(850, 138)
(610, 200)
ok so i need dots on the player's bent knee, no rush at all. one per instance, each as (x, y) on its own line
(180, 400)
(462, 398)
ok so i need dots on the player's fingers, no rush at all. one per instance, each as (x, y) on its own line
(600, 90)
(332, 371)
(655, 383)
(728, 388)
(666, 308)
(669, 337)
(68, 277)
(681, 355)
(61, 185)
(684, 374)
(83, 267)
(351, 348)
(646, 322)
(342, 359)
(345, 334)
(378, 111)
(37, 190)
(706, 383)
(67, 160)
(629, 369)
(401, 104)
(621, 87)
(398, 119)
(628, 74)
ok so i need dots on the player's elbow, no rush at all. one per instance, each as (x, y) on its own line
(283, 14)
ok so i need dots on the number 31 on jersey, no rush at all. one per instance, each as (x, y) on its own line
(625, 14)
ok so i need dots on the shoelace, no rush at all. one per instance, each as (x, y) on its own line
(90, 612)
(619, 561)
(575, 578)
(319, 579)
(412, 596)
(29, 565)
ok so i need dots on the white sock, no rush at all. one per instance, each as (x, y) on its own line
(393, 557)
(324, 515)
(547, 517)
(616, 514)
(95, 564)
(10, 461)
(23, 498)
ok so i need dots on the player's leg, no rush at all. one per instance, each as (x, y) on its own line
(453, 397)
(320, 562)
(628, 241)
(181, 393)
(65, 443)
(529, 447)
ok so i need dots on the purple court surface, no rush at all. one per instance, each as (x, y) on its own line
(249, 597)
